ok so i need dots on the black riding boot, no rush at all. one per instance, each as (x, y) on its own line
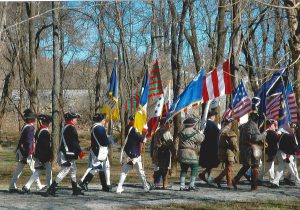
(84, 185)
(52, 189)
(102, 177)
(76, 189)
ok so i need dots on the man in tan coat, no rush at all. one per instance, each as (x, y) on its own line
(163, 151)
(227, 149)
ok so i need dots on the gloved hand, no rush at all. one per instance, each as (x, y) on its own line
(81, 155)
(145, 129)
(287, 160)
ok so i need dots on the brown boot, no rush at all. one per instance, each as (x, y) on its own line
(229, 172)
(165, 182)
(254, 178)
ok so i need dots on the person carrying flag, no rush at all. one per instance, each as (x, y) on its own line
(131, 155)
(250, 149)
(228, 147)
(163, 151)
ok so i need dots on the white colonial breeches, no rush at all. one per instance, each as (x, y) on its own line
(65, 170)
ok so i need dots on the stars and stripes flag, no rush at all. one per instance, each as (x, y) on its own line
(274, 104)
(241, 102)
(155, 84)
(217, 82)
(292, 106)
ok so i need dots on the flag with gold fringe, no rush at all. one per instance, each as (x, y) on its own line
(110, 106)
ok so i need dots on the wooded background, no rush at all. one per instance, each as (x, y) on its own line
(63, 46)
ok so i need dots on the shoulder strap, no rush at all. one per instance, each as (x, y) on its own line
(63, 138)
(122, 150)
(95, 135)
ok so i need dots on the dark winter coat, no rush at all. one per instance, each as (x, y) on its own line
(132, 147)
(26, 142)
(209, 147)
(72, 141)
(100, 134)
(272, 140)
(43, 147)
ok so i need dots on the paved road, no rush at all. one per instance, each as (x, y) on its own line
(134, 196)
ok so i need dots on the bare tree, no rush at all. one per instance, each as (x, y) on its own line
(56, 78)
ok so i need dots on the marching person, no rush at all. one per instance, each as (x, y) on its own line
(250, 149)
(68, 152)
(272, 139)
(288, 147)
(43, 152)
(25, 150)
(189, 142)
(163, 151)
(132, 155)
(98, 159)
(209, 147)
(228, 147)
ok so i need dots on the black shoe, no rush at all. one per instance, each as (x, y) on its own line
(193, 189)
(83, 186)
(234, 184)
(272, 185)
(13, 190)
(202, 177)
(76, 189)
(183, 189)
(25, 190)
(51, 190)
(218, 184)
(108, 188)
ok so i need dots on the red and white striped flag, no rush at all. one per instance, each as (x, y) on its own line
(154, 120)
(217, 82)
(291, 101)
(272, 108)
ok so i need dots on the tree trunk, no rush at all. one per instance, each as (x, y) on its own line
(221, 30)
(176, 62)
(56, 79)
(32, 89)
(192, 39)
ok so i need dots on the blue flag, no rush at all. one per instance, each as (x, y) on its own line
(192, 94)
(140, 118)
(283, 111)
(275, 85)
(113, 84)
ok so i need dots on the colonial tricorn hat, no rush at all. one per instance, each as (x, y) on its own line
(227, 120)
(99, 117)
(28, 114)
(44, 118)
(189, 121)
(270, 122)
(254, 115)
(71, 115)
(212, 113)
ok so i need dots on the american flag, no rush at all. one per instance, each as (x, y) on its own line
(241, 102)
(273, 105)
(291, 101)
